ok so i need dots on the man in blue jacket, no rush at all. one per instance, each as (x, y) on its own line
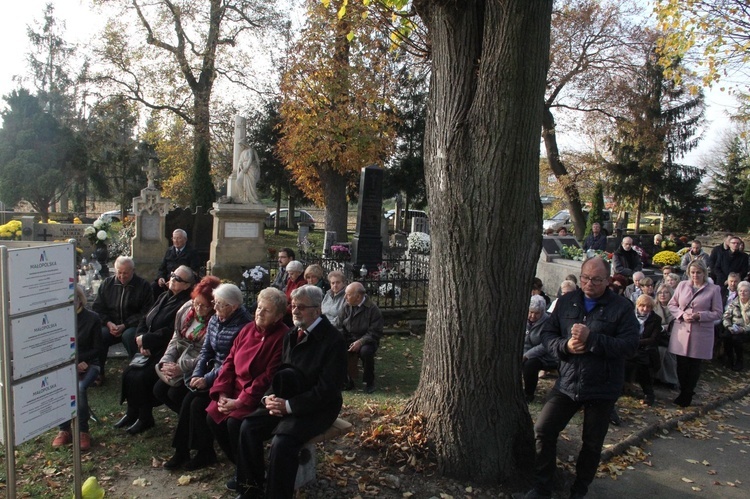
(592, 331)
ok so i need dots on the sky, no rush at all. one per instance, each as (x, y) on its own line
(81, 23)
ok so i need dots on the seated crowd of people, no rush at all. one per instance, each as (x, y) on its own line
(232, 377)
(683, 318)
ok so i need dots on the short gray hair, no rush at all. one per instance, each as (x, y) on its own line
(743, 285)
(229, 293)
(181, 232)
(124, 260)
(337, 273)
(275, 297)
(295, 266)
(537, 304)
(311, 293)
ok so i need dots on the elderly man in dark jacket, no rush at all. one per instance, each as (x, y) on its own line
(304, 400)
(177, 254)
(123, 300)
(592, 331)
(362, 325)
(626, 260)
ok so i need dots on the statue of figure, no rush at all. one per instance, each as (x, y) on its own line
(248, 174)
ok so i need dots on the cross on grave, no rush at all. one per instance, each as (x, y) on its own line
(44, 234)
(151, 171)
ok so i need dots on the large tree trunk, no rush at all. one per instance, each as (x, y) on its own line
(489, 61)
(334, 192)
(575, 207)
(203, 192)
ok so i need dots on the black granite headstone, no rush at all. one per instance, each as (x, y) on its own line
(367, 245)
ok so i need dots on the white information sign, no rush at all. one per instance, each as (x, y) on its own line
(40, 277)
(241, 229)
(43, 402)
(42, 340)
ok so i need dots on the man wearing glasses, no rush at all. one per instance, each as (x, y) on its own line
(304, 400)
(123, 300)
(592, 331)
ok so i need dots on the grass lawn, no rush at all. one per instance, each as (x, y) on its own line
(46, 472)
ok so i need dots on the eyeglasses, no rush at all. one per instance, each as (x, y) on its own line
(220, 305)
(593, 280)
(176, 278)
(203, 305)
(302, 308)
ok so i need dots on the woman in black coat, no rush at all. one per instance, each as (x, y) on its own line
(152, 337)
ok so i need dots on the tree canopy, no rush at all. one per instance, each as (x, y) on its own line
(38, 155)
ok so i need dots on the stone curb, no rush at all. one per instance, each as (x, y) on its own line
(670, 424)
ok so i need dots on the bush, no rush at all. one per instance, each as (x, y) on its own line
(665, 258)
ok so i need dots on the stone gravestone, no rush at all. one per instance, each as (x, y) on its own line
(367, 247)
(149, 244)
(56, 232)
(238, 240)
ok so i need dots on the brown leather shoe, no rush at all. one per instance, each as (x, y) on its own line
(85, 441)
(62, 438)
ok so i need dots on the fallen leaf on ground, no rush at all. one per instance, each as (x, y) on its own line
(141, 482)
(184, 480)
(687, 480)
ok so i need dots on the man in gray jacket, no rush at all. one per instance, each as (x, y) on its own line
(592, 331)
(362, 326)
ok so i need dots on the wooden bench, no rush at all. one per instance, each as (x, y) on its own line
(307, 459)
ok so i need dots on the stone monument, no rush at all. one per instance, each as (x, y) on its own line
(149, 243)
(367, 246)
(238, 238)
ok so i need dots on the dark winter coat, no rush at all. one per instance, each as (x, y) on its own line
(599, 373)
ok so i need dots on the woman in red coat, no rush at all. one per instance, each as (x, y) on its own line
(248, 370)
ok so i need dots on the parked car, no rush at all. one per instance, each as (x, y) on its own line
(299, 217)
(116, 215)
(406, 215)
(650, 224)
(562, 219)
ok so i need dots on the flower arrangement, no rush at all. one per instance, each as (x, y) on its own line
(571, 252)
(668, 245)
(642, 253)
(11, 231)
(682, 251)
(257, 274)
(341, 252)
(666, 258)
(390, 290)
(98, 232)
(418, 242)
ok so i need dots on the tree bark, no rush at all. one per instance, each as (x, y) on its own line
(575, 207)
(334, 191)
(489, 61)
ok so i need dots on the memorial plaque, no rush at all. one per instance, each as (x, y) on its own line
(44, 402)
(245, 230)
(40, 277)
(150, 224)
(42, 340)
(550, 246)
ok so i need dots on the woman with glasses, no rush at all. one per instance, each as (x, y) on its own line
(695, 306)
(179, 360)
(152, 337)
(192, 430)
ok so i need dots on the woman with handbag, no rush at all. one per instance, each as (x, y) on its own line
(152, 337)
(177, 364)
